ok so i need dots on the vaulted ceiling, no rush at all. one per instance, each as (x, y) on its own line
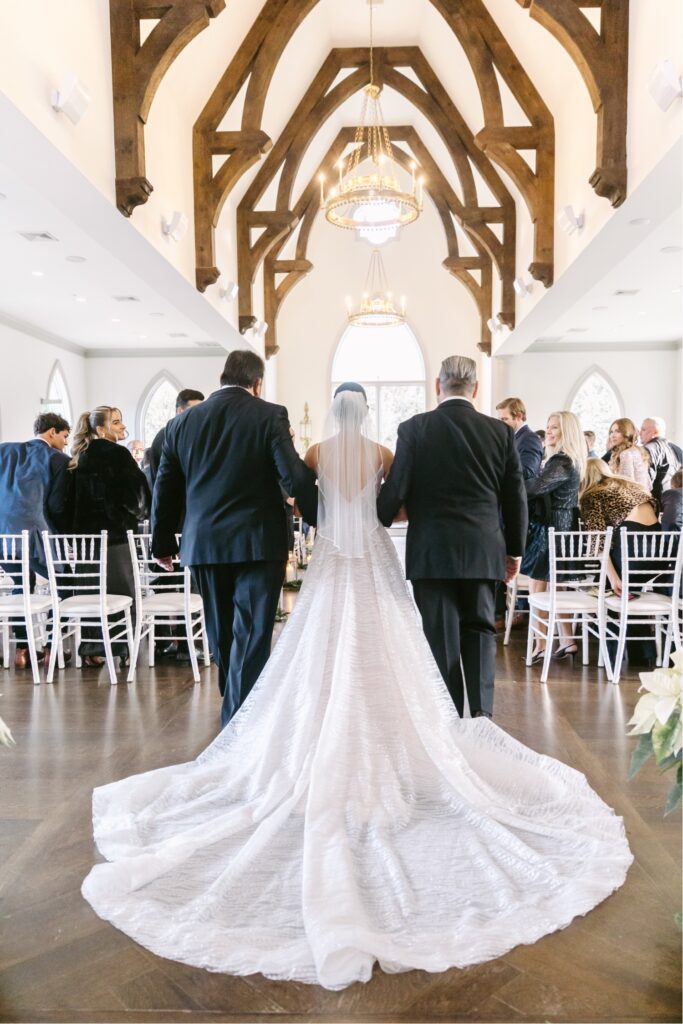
(482, 136)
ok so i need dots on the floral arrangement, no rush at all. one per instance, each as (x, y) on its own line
(657, 720)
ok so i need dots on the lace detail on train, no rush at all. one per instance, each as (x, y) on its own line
(347, 815)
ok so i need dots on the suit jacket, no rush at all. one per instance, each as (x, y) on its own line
(530, 450)
(33, 493)
(459, 476)
(226, 459)
(672, 509)
(154, 455)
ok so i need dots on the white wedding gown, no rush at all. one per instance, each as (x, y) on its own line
(347, 815)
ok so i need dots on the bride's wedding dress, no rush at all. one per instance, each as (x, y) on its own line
(347, 815)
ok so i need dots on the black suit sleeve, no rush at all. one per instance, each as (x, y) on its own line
(168, 500)
(396, 487)
(296, 479)
(57, 501)
(530, 451)
(513, 502)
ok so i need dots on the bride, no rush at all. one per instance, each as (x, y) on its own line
(346, 814)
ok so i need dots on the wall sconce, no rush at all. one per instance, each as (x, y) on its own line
(176, 227)
(230, 292)
(665, 85)
(569, 220)
(521, 287)
(305, 428)
(73, 99)
(494, 325)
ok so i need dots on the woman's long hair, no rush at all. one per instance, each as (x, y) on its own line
(86, 430)
(597, 475)
(572, 441)
(629, 432)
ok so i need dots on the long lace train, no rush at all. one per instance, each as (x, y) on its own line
(347, 815)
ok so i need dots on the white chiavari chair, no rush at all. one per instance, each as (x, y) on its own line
(576, 592)
(650, 593)
(164, 601)
(23, 608)
(77, 567)
(518, 588)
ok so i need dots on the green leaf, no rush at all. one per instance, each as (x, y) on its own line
(674, 798)
(641, 754)
(669, 762)
(663, 737)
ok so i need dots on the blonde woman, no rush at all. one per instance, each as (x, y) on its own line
(110, 493)
(627, 460)
(554, 500)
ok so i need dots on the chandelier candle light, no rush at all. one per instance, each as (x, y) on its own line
(376, 200)
(377, 308)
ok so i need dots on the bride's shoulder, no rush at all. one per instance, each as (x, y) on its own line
(311, 457)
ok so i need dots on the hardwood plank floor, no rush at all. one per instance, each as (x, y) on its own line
(59, 962)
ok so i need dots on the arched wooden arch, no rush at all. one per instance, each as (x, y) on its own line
(602, 58)
(448, 206)
(318, 104)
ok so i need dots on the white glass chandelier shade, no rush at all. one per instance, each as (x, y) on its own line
(377, 307)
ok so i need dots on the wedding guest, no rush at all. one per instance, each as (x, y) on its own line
(137, 450)
(626, 459)
(541, 434)
(529, 446)
(665, 456)
(555, 494)
(109, 493)
(185, 400)
(34, 497)
(672, 504)
(590, 444)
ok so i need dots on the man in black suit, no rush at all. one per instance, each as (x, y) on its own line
(459, 477)
(34, 496)
(528, 444)
(185, 400)
(226, 458)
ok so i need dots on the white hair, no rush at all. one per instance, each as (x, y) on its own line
(659, 423)
(458, 375)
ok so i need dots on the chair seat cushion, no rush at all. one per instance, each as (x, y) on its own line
(14, 604)
(565, 601)
(170, 603)
(657, 604)
(89, 604)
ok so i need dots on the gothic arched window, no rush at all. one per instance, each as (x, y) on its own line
(596, 403)
(157, 406)
(57, 399)
(388, 362)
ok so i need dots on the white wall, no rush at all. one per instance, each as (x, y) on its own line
(123, 381)
(26, 364)
(649, 383)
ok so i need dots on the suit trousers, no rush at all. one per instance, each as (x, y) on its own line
(458, 618)
(240, 602)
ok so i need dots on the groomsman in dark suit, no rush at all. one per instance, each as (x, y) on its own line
(529, 446)
(34, 496)
(459, 477)
(226, 459)
(185, 400)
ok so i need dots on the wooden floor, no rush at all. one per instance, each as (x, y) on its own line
(59, 962)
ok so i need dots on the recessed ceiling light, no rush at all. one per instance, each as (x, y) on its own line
(598, 309)
(670, 248)
(80, 298)
(38, 236)
(125, 298)
(75, 259)
(38, 273)
(116, 320)
(576, 330)
(626, 291)
(157, 314)
(638, 221)
(177, 334)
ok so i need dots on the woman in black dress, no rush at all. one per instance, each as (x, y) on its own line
(554, 500)
(110, 493)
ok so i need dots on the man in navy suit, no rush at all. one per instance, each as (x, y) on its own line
(33, 495)
(528, 444)
(224, 461)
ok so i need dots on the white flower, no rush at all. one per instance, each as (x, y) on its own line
(6, 737)
(662, 699)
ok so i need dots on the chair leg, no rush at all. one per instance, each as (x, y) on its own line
(511, 601)
(5, 644)
(547, 654)
(106, 637)
(530, 633)
(658, 641)
(77, 642)
(137, 640)
(31, 639)
(55, 648)
(151, 641)
(205, 642)
(621, 647)
(189, 636)
(584, 640)
(130, 636)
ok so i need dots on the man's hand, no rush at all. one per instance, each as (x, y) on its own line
(511, 568)
(165, 563)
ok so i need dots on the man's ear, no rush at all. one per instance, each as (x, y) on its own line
(258, 384)
(438, 388)
(476, 389)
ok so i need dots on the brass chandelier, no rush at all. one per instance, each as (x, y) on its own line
(377, 307)
(374, 201)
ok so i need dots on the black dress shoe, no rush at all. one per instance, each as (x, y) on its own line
(167, 650)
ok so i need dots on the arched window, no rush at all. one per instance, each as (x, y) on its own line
(597, 405)
(57, 399)
(388, 362)
(157, 406)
